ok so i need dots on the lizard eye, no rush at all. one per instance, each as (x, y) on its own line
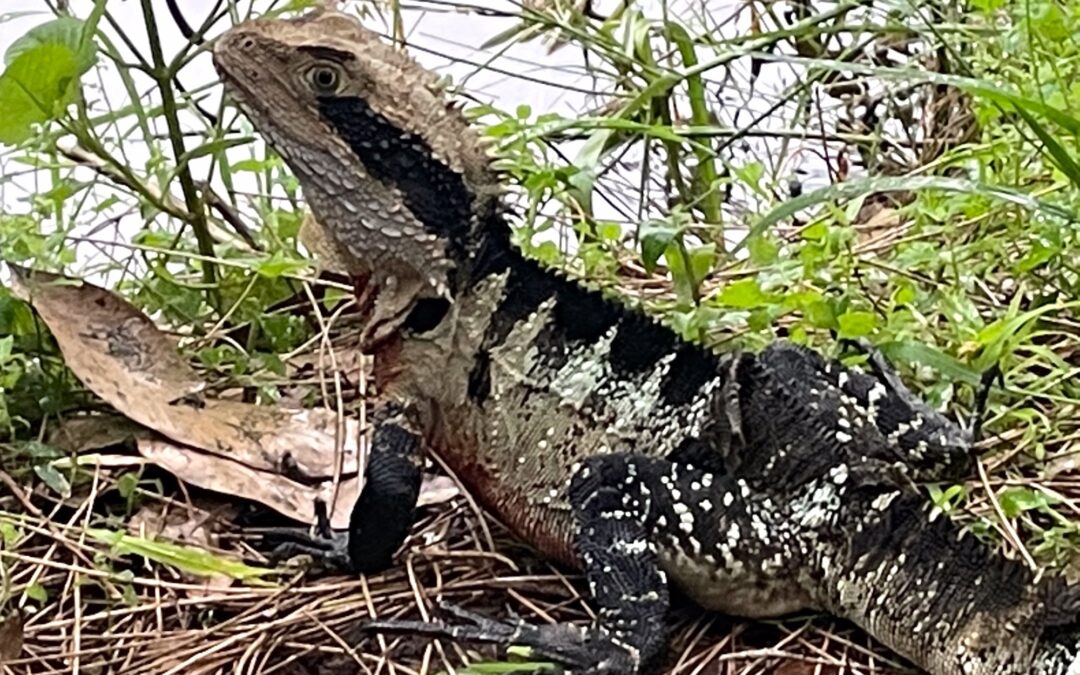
(324, 79)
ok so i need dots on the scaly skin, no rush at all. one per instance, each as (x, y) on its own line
(760, 484)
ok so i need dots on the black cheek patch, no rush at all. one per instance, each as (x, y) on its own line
(433, 192)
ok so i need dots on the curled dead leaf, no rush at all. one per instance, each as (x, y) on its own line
(221, 474)
(226, 446)
(120, 355)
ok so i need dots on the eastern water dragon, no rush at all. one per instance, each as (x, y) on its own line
(759, 484)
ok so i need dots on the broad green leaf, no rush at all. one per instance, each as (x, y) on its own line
(9, 534)
(744, 294)
(35, 86)
(54, 479)
(65, 31)
(1016, 500)
(763, 250)
(702, 260)
(655, 236)
(855, 324)
(37, 593)
(751, 174)
(586, 162)
(1049, 21)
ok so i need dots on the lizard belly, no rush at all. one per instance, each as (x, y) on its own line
(736, 590)
(509, 477)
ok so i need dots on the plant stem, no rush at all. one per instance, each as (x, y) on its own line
(163, 78)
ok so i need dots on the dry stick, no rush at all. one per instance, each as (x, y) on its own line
(54, 531)
(379, 638)
(326, 346)
(1010, 532)
(488, 539)
(336, 638)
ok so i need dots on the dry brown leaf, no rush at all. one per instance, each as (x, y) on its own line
(437, 490)
(118, 353)
(76, 435)
(293, 499)
(11, 636)
(222, 445)
(221, 474)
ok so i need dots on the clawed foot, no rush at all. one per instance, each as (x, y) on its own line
(326, 547)
(580, 651)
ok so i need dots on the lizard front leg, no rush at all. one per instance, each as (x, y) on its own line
(384, 511)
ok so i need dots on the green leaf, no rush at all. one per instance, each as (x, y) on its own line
(587, 161)
(255, 165)
(9, 534)
(37, 593)
(910, 351)
(1017, 500)
(751, 174)
(1058, 154)
(188, 558)
(127, 483)
(34, 88)
(54, 479)
(500, 667)
(744, 294)
(1049, 22)
(702, 260)
(855, 324)
(64, 31)
(655, 236)
(999, 337)
(864, 186)
(763, 250)
(278, 265)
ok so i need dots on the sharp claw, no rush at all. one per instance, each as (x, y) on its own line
(571, 646)
(278, 536)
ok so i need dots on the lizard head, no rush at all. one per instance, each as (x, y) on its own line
(391, 172)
